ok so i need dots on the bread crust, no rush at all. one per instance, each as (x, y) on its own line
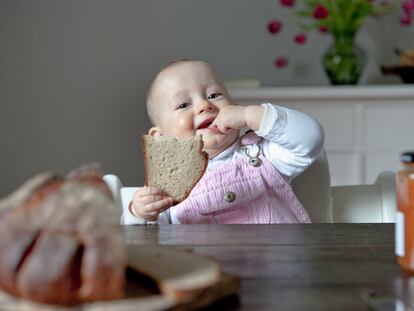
(31, 193)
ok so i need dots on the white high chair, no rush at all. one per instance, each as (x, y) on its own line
(349, 204)
(345, 204)
(366, 203)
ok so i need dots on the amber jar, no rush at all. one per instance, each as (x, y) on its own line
(404, 226)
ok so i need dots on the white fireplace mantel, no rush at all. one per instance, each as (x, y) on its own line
(366, 127)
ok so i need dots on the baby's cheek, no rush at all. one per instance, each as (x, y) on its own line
(184, 128)
(183, 123)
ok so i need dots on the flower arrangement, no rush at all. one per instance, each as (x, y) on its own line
(340, 18)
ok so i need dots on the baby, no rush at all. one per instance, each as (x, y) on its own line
(248, 177)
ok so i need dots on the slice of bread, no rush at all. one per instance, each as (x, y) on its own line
(174, 165)
(179, 275)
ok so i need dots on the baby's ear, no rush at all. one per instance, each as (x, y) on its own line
(155, 132)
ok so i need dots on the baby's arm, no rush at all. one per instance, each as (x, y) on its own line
(145, 206)
(293, 139)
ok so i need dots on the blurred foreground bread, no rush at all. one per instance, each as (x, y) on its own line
(174, 165)
(406, 57)
(180, 275)
(61, 244)
(60, 240)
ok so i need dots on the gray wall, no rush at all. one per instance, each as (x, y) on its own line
(73, 73)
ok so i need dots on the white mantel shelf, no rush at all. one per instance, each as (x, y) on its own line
(327, 92)
(366, 127)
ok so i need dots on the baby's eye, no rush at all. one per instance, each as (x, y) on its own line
(183, 106)
(214, 95)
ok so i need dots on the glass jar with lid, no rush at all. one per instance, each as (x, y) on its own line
(404, 226)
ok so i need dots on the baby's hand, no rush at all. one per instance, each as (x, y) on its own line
(149, 202)
(237, 117)
(230, 117)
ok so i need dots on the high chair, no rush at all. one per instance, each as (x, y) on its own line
(347, 204)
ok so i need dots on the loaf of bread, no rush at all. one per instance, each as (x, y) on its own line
(60, 240)
(174, 165)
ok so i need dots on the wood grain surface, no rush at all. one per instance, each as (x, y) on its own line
(282, 267)
(293, 267)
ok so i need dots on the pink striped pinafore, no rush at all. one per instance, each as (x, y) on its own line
(243, 191)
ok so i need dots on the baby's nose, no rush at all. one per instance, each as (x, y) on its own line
(204, 106)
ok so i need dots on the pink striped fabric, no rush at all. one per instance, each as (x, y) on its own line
(262, 196)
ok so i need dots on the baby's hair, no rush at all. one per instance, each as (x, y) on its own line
(150, 107)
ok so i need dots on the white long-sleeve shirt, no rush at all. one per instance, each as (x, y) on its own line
(291, 142)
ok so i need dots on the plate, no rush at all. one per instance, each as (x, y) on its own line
(158, 278)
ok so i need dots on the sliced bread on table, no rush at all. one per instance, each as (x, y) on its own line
(174, 165)
(179, 274)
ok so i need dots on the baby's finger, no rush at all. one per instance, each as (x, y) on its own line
(152, 191)
(152, 216)
(215, 127)
(161, 206)
(221, 126)
(152, 198)
(224, 128)
(147, 212)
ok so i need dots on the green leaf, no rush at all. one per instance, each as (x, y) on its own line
(345, 16)
(303, 13)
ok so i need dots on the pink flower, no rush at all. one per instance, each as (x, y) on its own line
(281, 62)
(320, 12)
(405, 19)
(323, 29)
(300, 38)
(408, 5)
(288, 3)
(274, 26)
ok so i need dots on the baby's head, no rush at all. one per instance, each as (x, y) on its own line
(184, 100)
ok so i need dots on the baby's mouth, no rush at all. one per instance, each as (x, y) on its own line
(205, 124)
(208, 126)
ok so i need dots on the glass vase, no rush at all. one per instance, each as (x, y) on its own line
(344, 60)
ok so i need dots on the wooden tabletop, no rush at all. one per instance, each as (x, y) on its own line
(293, 267)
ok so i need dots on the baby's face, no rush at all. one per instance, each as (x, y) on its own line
(188, 97)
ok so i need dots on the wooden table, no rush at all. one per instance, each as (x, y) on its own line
(293, 267)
